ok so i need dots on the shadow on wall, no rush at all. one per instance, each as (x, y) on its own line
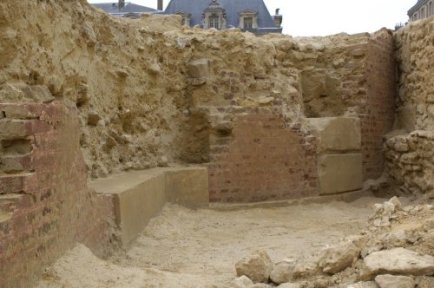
(194, 140)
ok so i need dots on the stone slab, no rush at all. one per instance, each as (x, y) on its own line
(340, 173)
(337, 134)
(139, 196)
(188, 187)
(399, 261)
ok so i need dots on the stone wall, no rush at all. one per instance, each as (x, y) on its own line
(352, 75)
(45, 205)
(341, 75)
(410, 163)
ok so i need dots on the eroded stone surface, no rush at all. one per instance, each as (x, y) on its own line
(257, 266)
(283, 272)
(336, 258)
(392, 281)
(400, 261)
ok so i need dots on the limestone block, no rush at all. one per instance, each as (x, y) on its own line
(340, 173)
(391, 281)
(257, 266)
(425, 282)
(369, 284)
(137, 197)
(140, 195)
(289, 285)
(337, 133)
(188, 187)
(241, 282)
(337, 258)
(198, 70)
(399, 261)
(283, 272)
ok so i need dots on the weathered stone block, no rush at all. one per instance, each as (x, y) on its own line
(140, 195)
(188, 187)
(337, 133)
(399, 261)
(137, 197)
(340, 173)
(392, 281)
(257, 267)
(198, 70)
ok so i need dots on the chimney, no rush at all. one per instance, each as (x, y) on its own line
(278, 19)
(160, 5)
(121, 4)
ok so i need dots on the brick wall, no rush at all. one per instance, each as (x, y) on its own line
(45, 205)
(262, 159)
(377, 114)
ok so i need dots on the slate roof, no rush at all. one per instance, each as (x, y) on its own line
(112, 8)
(232, 9)
(416, 7)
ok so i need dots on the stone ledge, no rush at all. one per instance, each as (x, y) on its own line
(140, 195)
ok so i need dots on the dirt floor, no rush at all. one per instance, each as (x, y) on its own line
(187, 248)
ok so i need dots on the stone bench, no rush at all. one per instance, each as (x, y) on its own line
(140, 195)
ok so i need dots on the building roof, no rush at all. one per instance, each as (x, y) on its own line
(112, 8)
(232, 9)
(416, 7)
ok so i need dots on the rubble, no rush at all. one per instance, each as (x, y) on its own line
(257, 267)
(399, 261)
(339, 257)
(283, 272)
(391, 281)
(241, 282)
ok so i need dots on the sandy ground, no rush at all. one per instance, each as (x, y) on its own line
(199, 248)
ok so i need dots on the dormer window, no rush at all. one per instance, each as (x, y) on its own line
(248, 20)
(214, 21)
(186, 17)
(214, 16)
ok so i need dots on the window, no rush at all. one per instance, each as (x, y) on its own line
(248, 20)
(248, 23)
(213, 21)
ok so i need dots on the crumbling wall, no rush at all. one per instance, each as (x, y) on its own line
(410, 162)
(125, 77)
(352, 75)
(409, 150)
(45, 205)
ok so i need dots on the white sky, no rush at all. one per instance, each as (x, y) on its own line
(324, 17)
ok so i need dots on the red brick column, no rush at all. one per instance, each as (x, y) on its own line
(45, 205)
(378, 114)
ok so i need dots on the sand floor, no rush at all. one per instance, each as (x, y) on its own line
(199, 248)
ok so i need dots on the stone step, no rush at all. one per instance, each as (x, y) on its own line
(140, 195)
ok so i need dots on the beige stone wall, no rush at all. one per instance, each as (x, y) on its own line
(409, 154)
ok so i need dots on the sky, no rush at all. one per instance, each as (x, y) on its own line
(325, 17)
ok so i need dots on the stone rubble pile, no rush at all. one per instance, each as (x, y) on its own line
(395, 251)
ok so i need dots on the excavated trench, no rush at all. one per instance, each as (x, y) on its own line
(199, 248)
